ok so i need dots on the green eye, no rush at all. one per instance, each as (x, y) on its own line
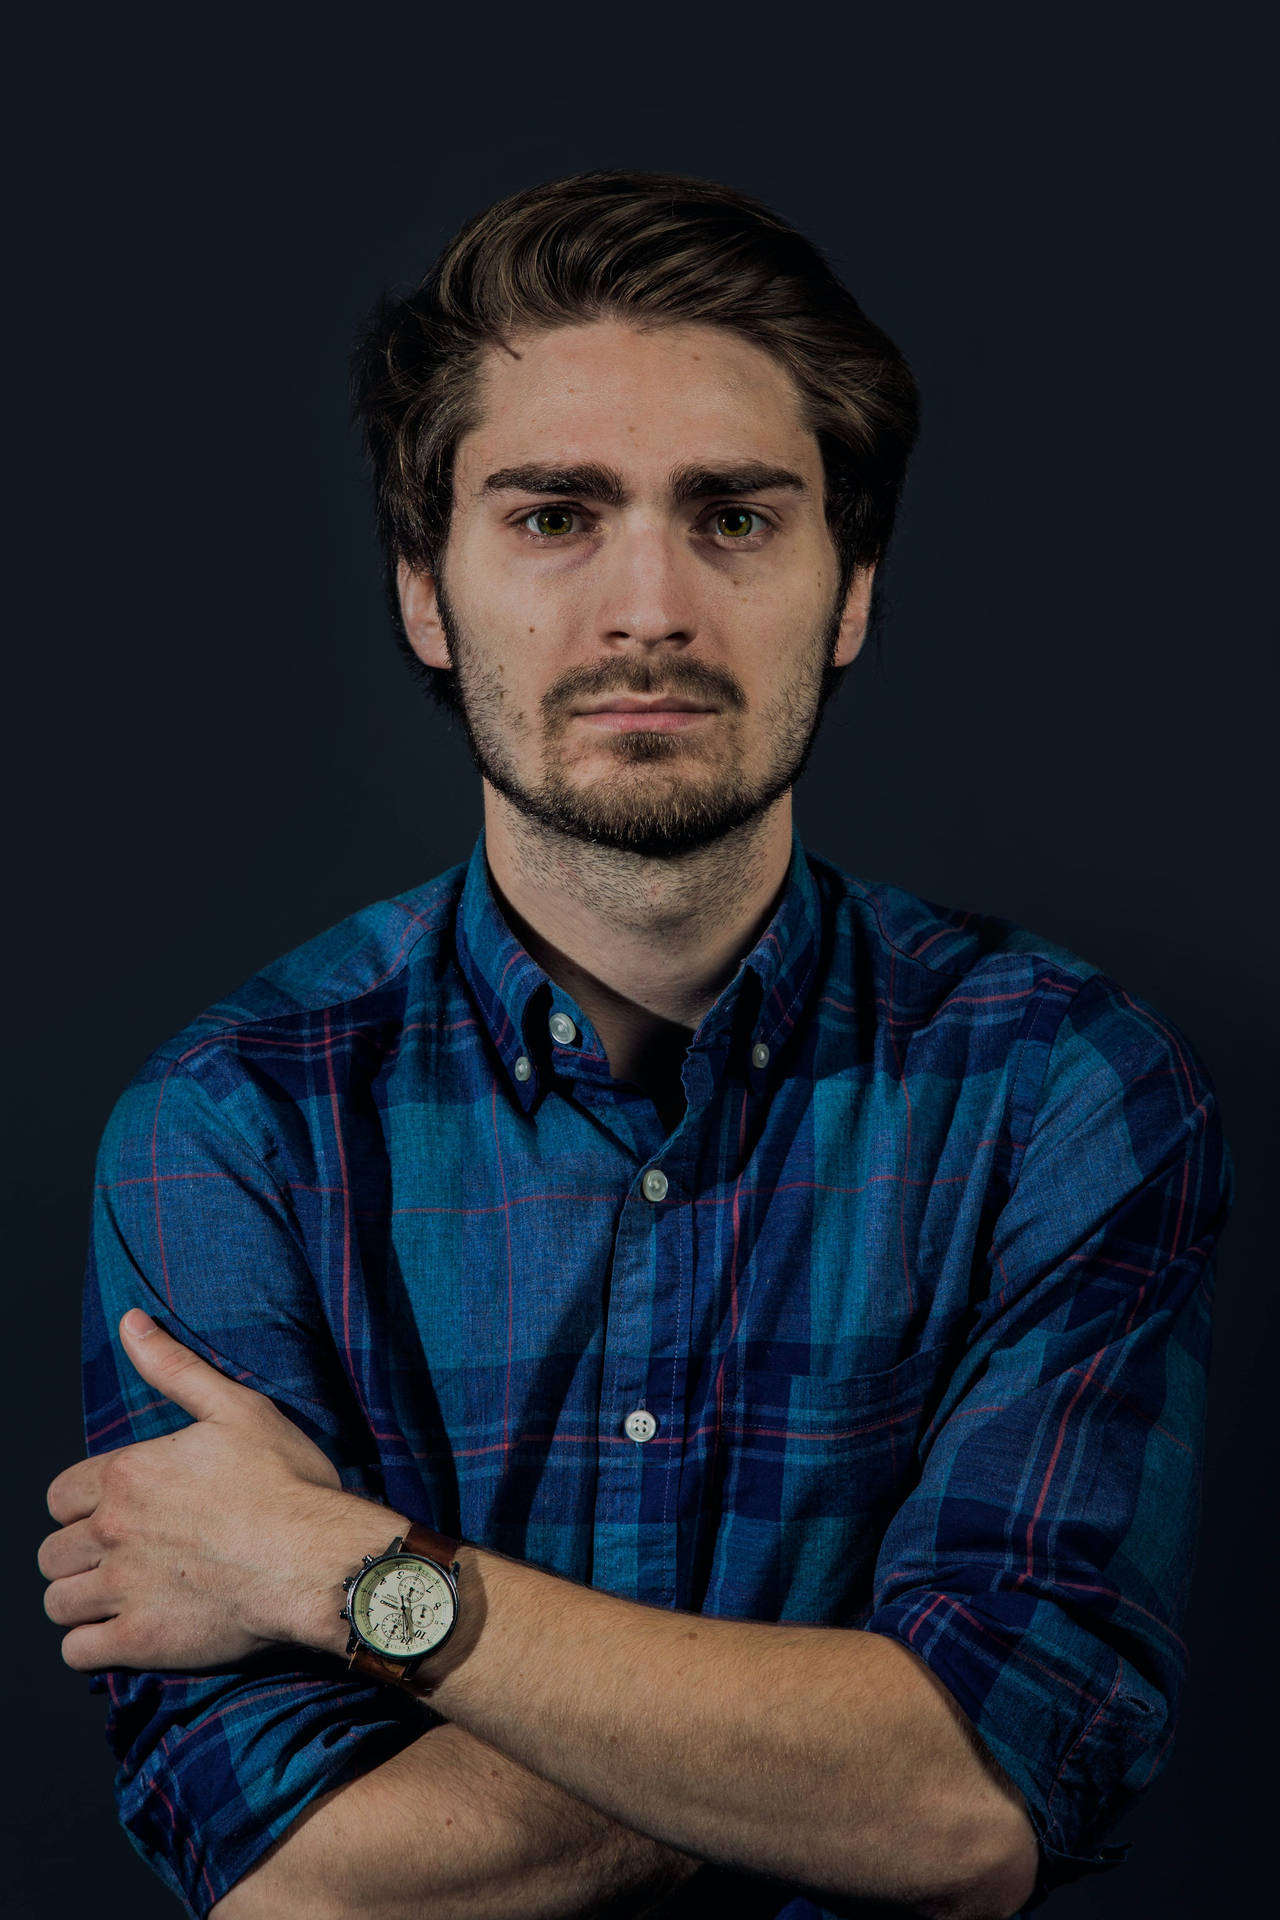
(552, 522)
(742, 516)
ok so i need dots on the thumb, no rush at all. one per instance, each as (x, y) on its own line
(182, 1376)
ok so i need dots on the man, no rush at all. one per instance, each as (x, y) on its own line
(730, 1337)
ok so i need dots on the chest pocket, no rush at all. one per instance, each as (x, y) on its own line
(814, 1467)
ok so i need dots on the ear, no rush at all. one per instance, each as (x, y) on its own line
(421, 616)
(853, 621)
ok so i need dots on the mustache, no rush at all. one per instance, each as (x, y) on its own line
(688, 679)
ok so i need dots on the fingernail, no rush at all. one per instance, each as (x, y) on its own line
(139, 1323)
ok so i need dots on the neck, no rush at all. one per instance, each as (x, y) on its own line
(645, 946)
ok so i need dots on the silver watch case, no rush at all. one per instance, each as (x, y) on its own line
(358, 1638)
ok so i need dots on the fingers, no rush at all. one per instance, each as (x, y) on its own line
(180, 1375)
(77, 1490)
(70, 1551)
(81, 1598)
(90, 1649)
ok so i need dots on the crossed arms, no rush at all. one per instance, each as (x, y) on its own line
(590, 1751)
(808, 1755)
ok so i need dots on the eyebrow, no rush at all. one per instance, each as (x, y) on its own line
(606, 486)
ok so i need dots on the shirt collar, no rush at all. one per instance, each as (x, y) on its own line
(753, 1016)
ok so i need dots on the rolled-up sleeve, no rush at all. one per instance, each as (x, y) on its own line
(189, 1222)
(1041, 1565)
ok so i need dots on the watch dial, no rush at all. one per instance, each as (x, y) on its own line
(403, 1607)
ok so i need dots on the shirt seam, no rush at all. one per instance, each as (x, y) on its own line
(1054, 1823)
(960, 967)
(233, 1126)
(276, 1187)
(168, 1050)
(1026, 1102)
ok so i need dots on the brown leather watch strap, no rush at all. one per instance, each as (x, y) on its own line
(431, 1546)
(371, 1666)
(428, 1545)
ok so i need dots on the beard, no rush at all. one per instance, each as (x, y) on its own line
(667, 796)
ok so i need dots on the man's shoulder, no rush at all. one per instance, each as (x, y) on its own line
(889, 926)
(355, 973)
(1062, 1018)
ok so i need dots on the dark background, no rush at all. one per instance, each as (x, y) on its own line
(1061, 217)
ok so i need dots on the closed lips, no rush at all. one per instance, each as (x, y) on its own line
(624, 705)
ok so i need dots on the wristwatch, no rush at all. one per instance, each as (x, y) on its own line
(402, 1605)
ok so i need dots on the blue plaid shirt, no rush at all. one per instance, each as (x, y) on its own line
(918, 1311)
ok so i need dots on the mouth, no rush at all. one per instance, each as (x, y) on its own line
(622, 713)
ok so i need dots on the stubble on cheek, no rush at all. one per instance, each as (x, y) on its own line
(492, 704)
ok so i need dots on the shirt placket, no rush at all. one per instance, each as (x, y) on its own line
(642, 1386)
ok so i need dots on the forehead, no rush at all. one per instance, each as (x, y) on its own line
(609, 391)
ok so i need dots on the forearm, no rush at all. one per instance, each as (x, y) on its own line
(451, 1827)
(816, 1756)
(812, 1755)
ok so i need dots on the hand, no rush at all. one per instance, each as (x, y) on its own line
(200, 1547)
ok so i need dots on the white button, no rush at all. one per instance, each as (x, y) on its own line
(640, 1426)
(760, 1054)
(655, 1184)
(563, 1029)
(523, 1069)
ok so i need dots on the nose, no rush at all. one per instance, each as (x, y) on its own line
(647, 591)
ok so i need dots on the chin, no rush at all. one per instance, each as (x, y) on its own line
(635, 824)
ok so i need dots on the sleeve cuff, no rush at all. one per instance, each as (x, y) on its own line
(1058, 1869)
(211, 1796)
(1069, 1721)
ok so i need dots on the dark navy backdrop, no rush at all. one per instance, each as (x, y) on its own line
(1069, 717)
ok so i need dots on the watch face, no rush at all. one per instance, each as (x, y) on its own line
(403, 1607)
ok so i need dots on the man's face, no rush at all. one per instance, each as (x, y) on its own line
(639, 591)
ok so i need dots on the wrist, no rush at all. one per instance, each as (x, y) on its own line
(330, 1540)
(472, 1564)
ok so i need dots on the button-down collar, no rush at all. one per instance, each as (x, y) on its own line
(518, 1001)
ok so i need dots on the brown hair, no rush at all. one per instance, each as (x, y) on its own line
(653, 249)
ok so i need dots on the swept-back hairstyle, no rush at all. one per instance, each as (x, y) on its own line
(652, 249)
